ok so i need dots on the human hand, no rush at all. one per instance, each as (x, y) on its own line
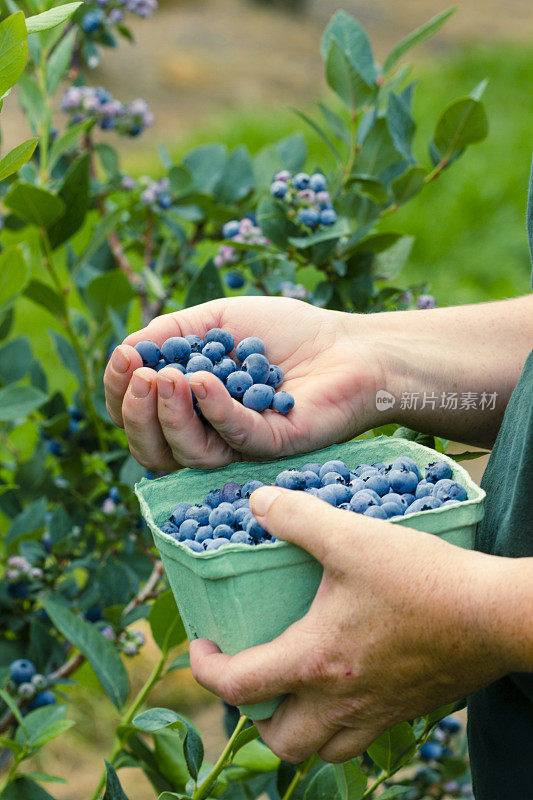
(402, 623)
(329, 368)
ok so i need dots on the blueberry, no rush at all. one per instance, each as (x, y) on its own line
(188, 529)
(213, 499)
(437, 471)
(335, 466)
(91, 21)
(402, 482)
(311, 479)
(361, 501)
(301, 180)
(178, 513)
(223, 531)
(199, 512)
(450, 503)
(376, 511)
(224, 514)
(446, 489)
(275, 376)
(257, 366)
(356, 485)
(164, 200)
(407, 499)
(283, 402)
(22, 670)
(309, 217)
(46, 698)
(361, 469)
(195, 343)
(176, 349)
(240, 537)
(450, 724)
(282, 175)
(251, 486)
(423, 504)
(399, 499)
(149, 352)
(204, 532)
(192, 544)
(162, 364)
(379, 483)
(214, 351)
(238, 382)
(214, 544)
(341, 492)
(278, 189)
(242, 514)
(424, 489)
(312, 466)
(291, 479)
(380, 466)
(430, 751)
(318, 182)
(224, 368)
(392, 509)
(242, 502)
(234, 280)
(199, 363)
(331, 477)
(231, 491)
(328, 217)
(407, 464)
(258, 397)
(254, 530)
(221, 336)
(93, 614)
(231, 229)
(252, 344)
(328, 494)
(114, 494)
(170, 529)
(18, 590)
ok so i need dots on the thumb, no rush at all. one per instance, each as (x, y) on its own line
(302, 519)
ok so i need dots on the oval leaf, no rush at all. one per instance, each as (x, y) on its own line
(51, 18)
(16, 158)
(16, 402)
(463, 122)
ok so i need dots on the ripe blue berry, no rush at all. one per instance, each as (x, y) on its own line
(214, 351)
(312, 466)
(149, 352)
(379, 483)
(407, 464)
(91, 21)
(291, 479)
(424, 489)
(170, 529)
(224, 514)
(231, 229)
(195, 343)
(328, 494)
(279, 189)
(301, 180)
(164, 200)
(240, 537)
(257, 366)
(254, 530)
(222, 337)
(317, 182)
(275, 376)
(450, 724)
(200, 513)
(423, 504)
(430, 751)
(192, 544)
(312, 481)
(402, 482)
(231, 491)
(437, 471)
(356, 485)
(242, 502)
(252, 344)
(176, 349)
(309, 217)
(251, 486)
(450, 503)
(223, 531)
(238, 382)
(204, 532)
(178, 513)
(188, 529)
(234, 280)
(446, 489)
(214, 544)
(46, 698)
(258, 397)
(335, 466)
(199, 363)
(22, 670)
(224, 368)
(214, 498)
(283, 402)
(93, 614)
(376, 511)
(328, 217)
(392, 509)
(331, 477)
(360, 501)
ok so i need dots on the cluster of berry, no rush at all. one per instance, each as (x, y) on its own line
(428, 782)
(109, 506)
(254, 381)
(156, 192)
(131, 641)
(28, 684)
(95, 102)
(295, 290)
(307, 196)
(375, 490)
(111, 12)
(20, 576)
(244, 231)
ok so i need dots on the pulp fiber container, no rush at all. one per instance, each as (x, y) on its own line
(241, 595)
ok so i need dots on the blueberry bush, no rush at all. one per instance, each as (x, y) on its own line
(95, 252)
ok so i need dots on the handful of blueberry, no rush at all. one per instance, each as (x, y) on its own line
(249, 378)
(375, 490)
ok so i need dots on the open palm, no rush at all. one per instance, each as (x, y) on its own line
(328, 365)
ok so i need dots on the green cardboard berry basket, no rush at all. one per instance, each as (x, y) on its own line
(240, 596)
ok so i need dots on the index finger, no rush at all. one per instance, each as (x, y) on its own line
(196, 320)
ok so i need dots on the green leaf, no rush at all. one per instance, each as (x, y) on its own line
(206, 285)
(110, 290)
(292, 152)
(243, 738)
(351, 782)
(461, 123)
(321, 132)
(418, 36)
(16, 402)
(74, 191)
(402, 126)
(255, 757)
(33, 102)
(67, 354)
(354, 43)
(99, 652)
(34, 205)
(180, 181)
(165, 622)
(469, 455)
(182, 661)
(336, 124)
(13, 50)
(156, 718)
(391, 261)
(169, 758)
(15, 360)
(370, 186)
(60, 60)
(14, 274)
(323, 785)
(394, 791)
(113, 789)
(66, 140)
(376, 242)
(51, 18)
(43, 294)
(45, 777)
(346, 82)
(379, 151)
(408, 184)
(206, 165)
(24, 788)
(43, 725)
(273, 221)
(16, 158)
(237, 180)
(334, 232)
(13, 707)
(394, 747)
(11, 745)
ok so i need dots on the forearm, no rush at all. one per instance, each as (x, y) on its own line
(430, 360)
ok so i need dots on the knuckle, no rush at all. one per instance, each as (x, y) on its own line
(144, 459)
(232, 692)
(289, 752)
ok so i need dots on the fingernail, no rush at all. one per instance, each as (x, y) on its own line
(262, 499)
(140, 386)
(121, 362)
(165, 388)
(198, 388)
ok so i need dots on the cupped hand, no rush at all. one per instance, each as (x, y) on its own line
(329, 368)
(402, 623)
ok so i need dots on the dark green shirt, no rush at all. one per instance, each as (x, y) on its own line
(500, 717)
